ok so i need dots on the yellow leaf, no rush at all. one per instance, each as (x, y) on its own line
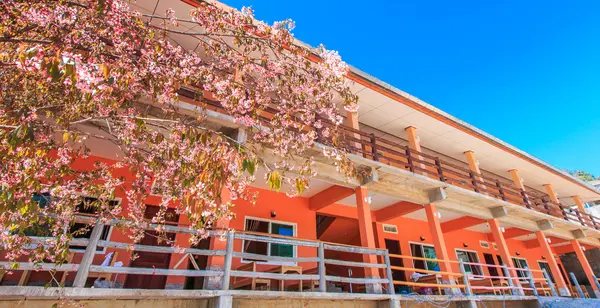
(66, 137)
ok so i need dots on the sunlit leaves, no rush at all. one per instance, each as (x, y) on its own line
(76, 74)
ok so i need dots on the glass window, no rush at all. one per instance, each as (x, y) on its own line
(424, 251)
(471, 257)
(270, 249)
(282, 250)
(520, 263)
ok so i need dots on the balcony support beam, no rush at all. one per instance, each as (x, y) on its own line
(439, 243)
(544, 224)
(217, 262)
(329, 196)
(367, 236)
(396, 210)
(547, 252)
(500, 241)
(461, 223)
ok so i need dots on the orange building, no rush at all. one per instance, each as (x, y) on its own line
(441, 194)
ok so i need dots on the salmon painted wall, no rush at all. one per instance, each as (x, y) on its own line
(297, 211)
(287, 210)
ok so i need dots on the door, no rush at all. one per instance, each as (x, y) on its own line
(151, 259)
(393, 247)
(202, 262)
(489, 260)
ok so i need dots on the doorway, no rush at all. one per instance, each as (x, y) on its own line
(393, 247)
(151, 259)
(489, 260)
(195, 283)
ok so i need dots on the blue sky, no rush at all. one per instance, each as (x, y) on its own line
(527, 72)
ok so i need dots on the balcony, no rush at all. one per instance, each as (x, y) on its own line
(437, 166)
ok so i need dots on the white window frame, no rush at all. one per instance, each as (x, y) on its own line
(295, 248)
(526, 262)
(422, 253)
(456, 250)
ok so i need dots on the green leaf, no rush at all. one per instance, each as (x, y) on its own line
(274, 180)
(101, 6)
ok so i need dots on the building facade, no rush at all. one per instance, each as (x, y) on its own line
(440, 196)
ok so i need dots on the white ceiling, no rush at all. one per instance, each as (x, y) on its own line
(391, 116)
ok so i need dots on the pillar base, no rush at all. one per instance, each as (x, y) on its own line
(174, 286)
(391, 303)
(213, 283)
(373, 288)
(466, 304)
(451, 291)
(564, 292)
(222, 301)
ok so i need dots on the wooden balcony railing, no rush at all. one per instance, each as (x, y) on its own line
(402, 156)
(379, 149)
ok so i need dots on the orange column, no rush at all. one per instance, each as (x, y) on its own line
(439, 243)
(516, 177)
(352, 121)
(580, 204)
(502, 247)
(367, 236)
(414, 143)
(589, 273)
(518, 181)
(561, 286)
(551, 193)
(474, 167)
(216, 243)
(182, 240)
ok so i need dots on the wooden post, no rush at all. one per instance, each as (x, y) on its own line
(322, 272)
(525, 198)
(388, 272)
(440, 171)
(500, 190)
(550, 283)
(465, 279)
(88, 256)
(409, 159)
(374, 147)
(228, 261)
(474, 181)
(546, 207)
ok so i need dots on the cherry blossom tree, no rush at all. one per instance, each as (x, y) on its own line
(76, 72)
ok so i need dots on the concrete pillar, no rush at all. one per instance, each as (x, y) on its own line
(580, 204)
(439, 244)
(216, 243)
(551, 193)
(502, 247)
(182, 240)
(561, 286)
(589, 273)
(367, 236)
